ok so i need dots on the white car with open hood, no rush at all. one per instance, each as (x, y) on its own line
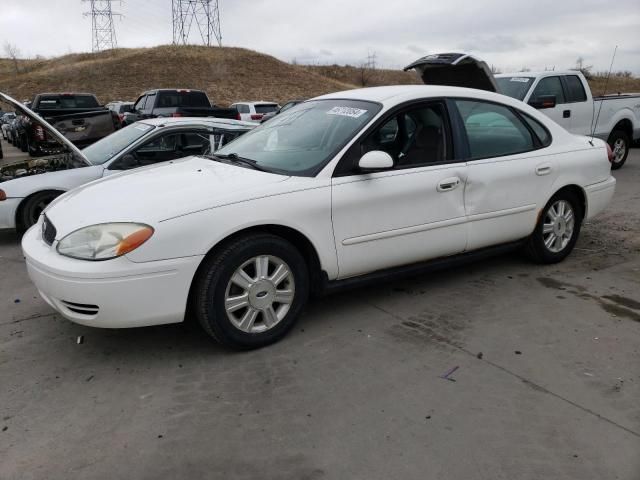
(347, 187)
(147, 142)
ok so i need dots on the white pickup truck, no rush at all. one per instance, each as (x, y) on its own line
(564, 96)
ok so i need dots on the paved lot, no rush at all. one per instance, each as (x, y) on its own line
(354, 392)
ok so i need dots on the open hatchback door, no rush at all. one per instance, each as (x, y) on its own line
(455, 70)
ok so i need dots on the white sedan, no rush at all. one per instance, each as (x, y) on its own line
(343, 188)
(151, 141)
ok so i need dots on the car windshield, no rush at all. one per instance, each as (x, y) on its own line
(105, 149)
(302, 139)
(516, 87)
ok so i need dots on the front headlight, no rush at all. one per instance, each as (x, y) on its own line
(104, 241)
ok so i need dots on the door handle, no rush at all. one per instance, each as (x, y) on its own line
(448, 184)
(543, 169)
(566, 114)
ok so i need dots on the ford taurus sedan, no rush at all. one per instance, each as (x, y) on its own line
(344, 188)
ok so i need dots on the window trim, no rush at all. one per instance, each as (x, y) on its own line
(347, 165)
(538, 145)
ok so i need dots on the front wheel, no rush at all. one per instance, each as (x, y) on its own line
(251, 293)
(620, 143)
(32, 208)
(557, 230)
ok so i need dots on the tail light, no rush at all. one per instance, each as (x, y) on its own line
(38, 132)
(257, 116)
(121, 117)
(238, 116)
(176, 114)
(3, 195)
(610, 153)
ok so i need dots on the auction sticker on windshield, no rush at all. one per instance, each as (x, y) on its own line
(347, 112)
(520, 79)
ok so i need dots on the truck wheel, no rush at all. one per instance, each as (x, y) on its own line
(619, 142)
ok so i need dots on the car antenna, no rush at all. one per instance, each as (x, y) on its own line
(606, 82)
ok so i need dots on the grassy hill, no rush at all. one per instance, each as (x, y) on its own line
(226, 74)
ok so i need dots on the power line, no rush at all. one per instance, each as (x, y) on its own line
(202, 14)
(103, 32)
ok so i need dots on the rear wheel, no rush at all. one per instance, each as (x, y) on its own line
(620, 143)
(557, 230)
(251, 293)
(32, 207)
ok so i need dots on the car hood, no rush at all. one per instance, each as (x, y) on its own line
(159, 192)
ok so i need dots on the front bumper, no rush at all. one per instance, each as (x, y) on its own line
(598, 196)
(115, 293)
(8, 210)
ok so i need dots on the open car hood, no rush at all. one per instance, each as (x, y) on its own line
(19, 107)
(455, 70)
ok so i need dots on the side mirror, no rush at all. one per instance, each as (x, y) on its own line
(543, 101)
(375, 160)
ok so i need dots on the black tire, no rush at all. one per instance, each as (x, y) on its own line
(32, 207)
(621, 137)
(535, 247)
(215, 273)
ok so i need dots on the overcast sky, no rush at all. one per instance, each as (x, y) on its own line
(507, 34)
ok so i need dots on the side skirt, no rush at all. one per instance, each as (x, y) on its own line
(395, 273)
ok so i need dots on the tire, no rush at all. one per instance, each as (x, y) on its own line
(214, 287)
(620, 143)
(537, 247)
(32, 207)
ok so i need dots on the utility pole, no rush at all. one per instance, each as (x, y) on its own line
(204, 14)
(103, 32)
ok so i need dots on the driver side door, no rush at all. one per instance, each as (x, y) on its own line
(409, 213)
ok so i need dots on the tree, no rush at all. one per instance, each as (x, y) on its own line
(585, 70)
(13, 53)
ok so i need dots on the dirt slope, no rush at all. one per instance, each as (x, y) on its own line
(226, 74)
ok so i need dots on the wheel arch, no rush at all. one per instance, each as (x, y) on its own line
(579, 192)
(22, 203)
(292, 235)
(625, 125)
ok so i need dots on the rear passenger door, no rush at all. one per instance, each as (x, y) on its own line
(507, 171)
(580, 109)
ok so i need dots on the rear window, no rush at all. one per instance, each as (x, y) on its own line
(266, 108)
(575, 90)
(49, 102)
(183, 99)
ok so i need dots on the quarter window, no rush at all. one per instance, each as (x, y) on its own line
(540, 131)
(493, 130)
(575, 90)
(549, 86)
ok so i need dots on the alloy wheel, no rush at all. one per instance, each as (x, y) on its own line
(558, 226)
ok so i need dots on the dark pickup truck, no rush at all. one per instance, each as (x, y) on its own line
(78, 116)
(176, 103)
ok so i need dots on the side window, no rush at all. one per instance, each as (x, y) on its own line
(549, 86)
(151, 99)
(243, 108)
(575, 90)
(195, 143)
(541, 132)
(140, 103)
(493, 130)
(417, 136)
(160, 149)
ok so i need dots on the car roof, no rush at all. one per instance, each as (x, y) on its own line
(172, 90)
(199, 121)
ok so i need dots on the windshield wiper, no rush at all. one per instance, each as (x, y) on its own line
(244, 161)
